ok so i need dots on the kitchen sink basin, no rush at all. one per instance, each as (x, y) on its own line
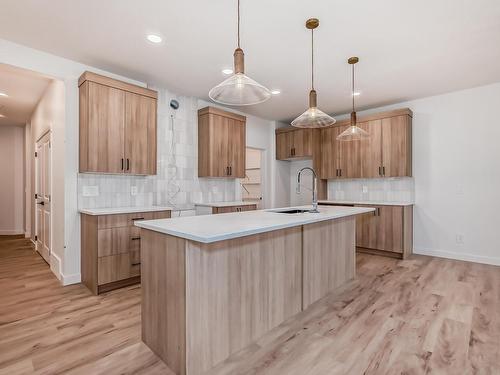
(291, 211)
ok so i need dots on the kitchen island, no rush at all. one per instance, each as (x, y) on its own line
(211, 285)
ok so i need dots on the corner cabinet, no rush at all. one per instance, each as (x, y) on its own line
(387, 153)
(221, 143)
(294, 144)
(117, 126)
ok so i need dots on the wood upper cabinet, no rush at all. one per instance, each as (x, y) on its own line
(389, 229)
(140, 134)
(294, 144)
(387, 153)
(221, 143)
(117, 126)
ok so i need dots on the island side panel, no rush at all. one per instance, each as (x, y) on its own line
(237, 290)
(329, 257)
(163, 297)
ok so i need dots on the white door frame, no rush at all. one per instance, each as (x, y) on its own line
(43, 195)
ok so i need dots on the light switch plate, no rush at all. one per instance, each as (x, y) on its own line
(90, 191)
(133, 190)
(365, 189)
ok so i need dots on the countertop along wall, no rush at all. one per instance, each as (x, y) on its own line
(456, 173)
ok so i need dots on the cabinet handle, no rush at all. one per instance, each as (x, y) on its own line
(136, 264)
(122, 164)
(380, 171)
(227, 171)
(135, 238)
(128, 164)
(383, 171)
(137, 218)
(340, 172)
(230, 170)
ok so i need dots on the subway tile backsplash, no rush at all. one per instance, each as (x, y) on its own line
(373, 190)
(177, 183)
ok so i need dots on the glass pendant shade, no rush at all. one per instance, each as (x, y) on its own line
(239, 89)
(353, 133)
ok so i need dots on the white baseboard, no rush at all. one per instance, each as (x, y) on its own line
(55, 265)
(10, 232)
(71, 279)
(27, 235)
(495, 261)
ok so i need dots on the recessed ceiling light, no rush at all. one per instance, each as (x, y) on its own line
(2, 115)
(3, 94)
(153, 38)
(356, 94)
(227, 71)
(275, 92)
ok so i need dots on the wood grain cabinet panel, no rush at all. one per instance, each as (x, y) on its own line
(221, 143)
(111, 249)
(140, 134)
(371, 150)
(397, 146)
(294, 144)
(117, 126)
(388, 230)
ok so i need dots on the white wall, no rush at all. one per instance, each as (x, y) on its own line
(12, 182)
(49, 115)
(456, 169)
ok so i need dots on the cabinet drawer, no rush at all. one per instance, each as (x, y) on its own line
(135, 263)
(127, 220)
(113, 268)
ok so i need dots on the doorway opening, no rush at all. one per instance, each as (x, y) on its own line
(251, 185)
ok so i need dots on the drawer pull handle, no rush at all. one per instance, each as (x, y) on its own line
(137, 218)
(136, 264)
(135, 238)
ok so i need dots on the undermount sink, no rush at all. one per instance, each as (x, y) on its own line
(291, 211)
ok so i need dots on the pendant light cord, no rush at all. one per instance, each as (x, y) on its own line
(353, 87)
(312, 58)
(238, 23)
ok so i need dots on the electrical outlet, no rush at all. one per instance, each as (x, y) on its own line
(133, 190)
(365, 189)
(460, 239)
(90, 191)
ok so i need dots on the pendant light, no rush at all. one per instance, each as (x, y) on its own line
(313, 117)
(353, 132)
(239, 89)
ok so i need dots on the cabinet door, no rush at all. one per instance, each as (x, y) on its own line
(282, 146)
(102, 134)
(140, 134)
(367, 227)
(371, 150)
(390, 229)
(219, 143)
(236, 148)
(350, 163)
(113, 268)
(396, 146)
(302, 143)
(329, 153)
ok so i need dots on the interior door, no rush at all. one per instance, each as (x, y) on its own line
(43, 189)
(140, 124)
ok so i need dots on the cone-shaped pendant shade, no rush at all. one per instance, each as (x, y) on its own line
(353, 132)
(313, 117)
(239, 89)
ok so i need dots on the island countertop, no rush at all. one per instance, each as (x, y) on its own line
(213, 228)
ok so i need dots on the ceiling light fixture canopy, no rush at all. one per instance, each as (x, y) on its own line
(239, 89)
(313, 117)
(353, 132)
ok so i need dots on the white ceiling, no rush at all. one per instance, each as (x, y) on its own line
(24, 89)
(407, 48)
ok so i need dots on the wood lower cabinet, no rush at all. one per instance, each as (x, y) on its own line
(221, 143)
(117, 126)
(387, 231)
(110, 251)
(294, 143)
(225, 210)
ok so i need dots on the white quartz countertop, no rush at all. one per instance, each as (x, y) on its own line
(122, 210)
(213, 228)
(226, 204)
(374, 203)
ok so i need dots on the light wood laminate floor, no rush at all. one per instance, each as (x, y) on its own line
(419, 316)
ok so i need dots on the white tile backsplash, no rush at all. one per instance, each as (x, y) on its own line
(176, 183)
(376, 189)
